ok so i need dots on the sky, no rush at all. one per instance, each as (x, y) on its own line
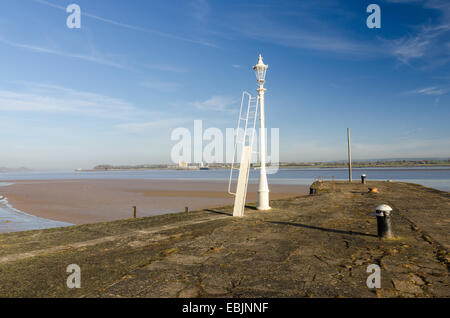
(112, 91)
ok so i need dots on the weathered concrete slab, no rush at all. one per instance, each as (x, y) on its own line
(313, 246)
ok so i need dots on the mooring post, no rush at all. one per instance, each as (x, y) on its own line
(186, 209)
(349, 156)
(384, 223)
(363, 179)
(134, 212)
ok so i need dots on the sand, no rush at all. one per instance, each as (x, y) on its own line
(89, 201)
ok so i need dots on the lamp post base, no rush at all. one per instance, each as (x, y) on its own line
(263, 200)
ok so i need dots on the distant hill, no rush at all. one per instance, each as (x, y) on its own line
(5, 169)
(373, 163)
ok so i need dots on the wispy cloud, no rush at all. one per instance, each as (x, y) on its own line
(133, 27)
(432, 90)
(426, 41)
(164, 87)
(267, 24)
(167, 68)
(46, 50)
(216, 103)
(423, 44)
(409, 48)
(303, 39)
(200, 9)
(148, 126)
(55, 99)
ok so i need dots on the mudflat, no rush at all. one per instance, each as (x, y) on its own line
(88, 201)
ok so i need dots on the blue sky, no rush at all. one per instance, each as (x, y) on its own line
(112, 91)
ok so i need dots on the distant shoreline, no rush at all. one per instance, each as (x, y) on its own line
(290, 166)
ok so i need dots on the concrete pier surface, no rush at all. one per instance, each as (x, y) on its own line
(307, 246)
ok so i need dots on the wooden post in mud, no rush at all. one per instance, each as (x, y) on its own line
(134, 212)
(186, 209)
(349, 156)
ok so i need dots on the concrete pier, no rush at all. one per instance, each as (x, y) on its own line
(313, 246)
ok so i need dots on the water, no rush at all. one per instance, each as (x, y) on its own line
(435, 177)
(14, 220)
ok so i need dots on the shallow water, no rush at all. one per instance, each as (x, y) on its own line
(435, 177)
(13, 220)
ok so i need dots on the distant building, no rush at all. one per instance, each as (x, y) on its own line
(182, 164)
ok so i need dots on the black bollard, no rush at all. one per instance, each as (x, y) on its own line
(363, 179)
(312, 191)
(384, 223)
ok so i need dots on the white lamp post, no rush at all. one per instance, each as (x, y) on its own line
(263, 189)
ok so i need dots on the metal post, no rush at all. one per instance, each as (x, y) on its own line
(363, 179)
(263, 189)
(349, 157)
(384, 223)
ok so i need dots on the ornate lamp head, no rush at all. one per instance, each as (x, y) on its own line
(260, 70)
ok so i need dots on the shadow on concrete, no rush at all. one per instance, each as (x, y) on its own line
(322, 229)
(218, 212)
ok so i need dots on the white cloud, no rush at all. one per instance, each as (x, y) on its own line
(216, 103)
(426, 44)
(406, 49)
(167, 68)
(132, 27)
(161, 124)
(165, 87)
(41, 49)
(312, 31)
(200, 9)
(55, 99)
(433, 90)
(423, 44)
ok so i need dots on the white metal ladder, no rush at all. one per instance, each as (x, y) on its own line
(249, 105)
